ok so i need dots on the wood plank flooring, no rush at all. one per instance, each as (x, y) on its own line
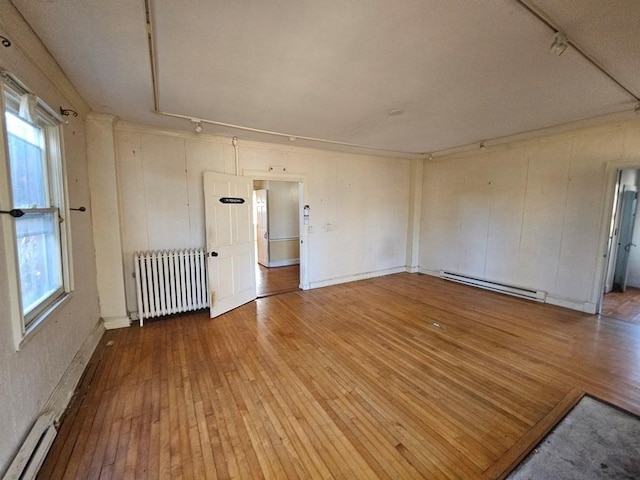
(276, 280)
(623, 305)
(399, 377)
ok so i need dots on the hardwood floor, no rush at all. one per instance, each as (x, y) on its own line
(275, 280)
(404, 376)
(623, 306)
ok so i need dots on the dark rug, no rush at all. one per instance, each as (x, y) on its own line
(593, 441)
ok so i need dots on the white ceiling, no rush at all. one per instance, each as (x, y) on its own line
(462, 71)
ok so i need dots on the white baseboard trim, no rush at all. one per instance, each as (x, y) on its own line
(66, 387)
(411, 269)
(284, 263)
(572, 303)
(433, 273)
(353, 278)
(111, 323)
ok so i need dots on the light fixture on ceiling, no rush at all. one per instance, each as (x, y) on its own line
(198, 124)
(559, 44)
(395, 112)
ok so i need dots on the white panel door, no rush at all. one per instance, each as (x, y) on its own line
(262, 226)
(230, 241)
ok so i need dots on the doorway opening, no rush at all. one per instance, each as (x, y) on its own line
(621, 297)
(277, 206)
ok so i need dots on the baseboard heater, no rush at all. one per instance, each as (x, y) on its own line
(27, 462)
(520, 292)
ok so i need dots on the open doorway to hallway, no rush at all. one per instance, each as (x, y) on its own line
(277, 224)
(622, 280)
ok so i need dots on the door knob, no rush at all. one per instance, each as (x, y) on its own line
(214, 254)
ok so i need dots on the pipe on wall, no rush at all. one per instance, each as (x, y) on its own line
(234, 142)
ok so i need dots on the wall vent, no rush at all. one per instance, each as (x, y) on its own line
(520, 292)
(29, 458)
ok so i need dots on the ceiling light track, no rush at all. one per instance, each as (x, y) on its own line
(289, 136)
(567, 41)
(152, 54)
(199, 122)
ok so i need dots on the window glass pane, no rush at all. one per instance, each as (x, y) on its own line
(35, 166)
(39, 257)
(28, 172)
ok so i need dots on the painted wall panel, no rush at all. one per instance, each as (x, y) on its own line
(585, 201)
(359, 204)
(530, 212)
(392, 191)
(508, 188)
(428, 230)
(324, 206)
(355, 222)
(284, 251)
(543, 214)
(165, 186)
(284, 223)
(130, 173)
(284, 219)
(631, 144)
(202, 156)
(474, 214)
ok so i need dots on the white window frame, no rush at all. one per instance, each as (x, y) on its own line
(25, 326)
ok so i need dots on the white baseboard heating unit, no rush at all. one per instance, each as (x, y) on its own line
(29, 459)
(530, 294)
(170, 281)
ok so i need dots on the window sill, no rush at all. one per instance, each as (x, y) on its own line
(41, 319)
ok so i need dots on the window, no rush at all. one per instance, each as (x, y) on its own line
(35, 167)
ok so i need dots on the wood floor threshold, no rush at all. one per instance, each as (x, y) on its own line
(512, 457)
(279, 292)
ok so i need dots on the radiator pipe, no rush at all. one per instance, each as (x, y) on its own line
(234, 142)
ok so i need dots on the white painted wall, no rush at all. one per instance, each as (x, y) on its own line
(359, 204)
(283, 210)
(526, 214)
(28, 377)
(284, 223)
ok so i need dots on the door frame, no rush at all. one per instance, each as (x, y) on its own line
(612, 173)
(303, 200)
